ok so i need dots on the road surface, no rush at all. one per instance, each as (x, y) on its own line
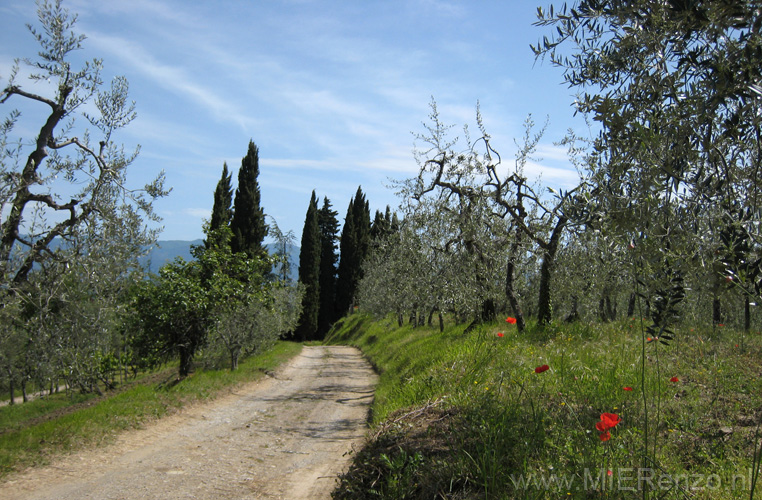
(283, 437)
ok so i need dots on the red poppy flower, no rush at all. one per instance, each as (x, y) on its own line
(541, 369)
(721, 325)
(499, 334)
(627, 388)
(510, 320)
(674, 379)
(610, 419)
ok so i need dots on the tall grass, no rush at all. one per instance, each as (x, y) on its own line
(515, 433)
(32, 432)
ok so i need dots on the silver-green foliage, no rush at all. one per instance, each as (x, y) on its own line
(72, 225)
(253, 326)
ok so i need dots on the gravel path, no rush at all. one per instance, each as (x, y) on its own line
(284, 437)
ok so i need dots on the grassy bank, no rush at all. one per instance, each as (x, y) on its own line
(476, 416)
(33, 432)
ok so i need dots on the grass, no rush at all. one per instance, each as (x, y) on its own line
(33, 432)
(465, 415)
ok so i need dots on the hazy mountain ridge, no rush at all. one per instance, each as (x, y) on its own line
(167, 250)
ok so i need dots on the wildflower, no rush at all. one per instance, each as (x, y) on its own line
(721, 325)
(541, 369)
(627, 388)
(674, 379)
(608, 421)
(510, 320)
(608, 472)
(499, 334)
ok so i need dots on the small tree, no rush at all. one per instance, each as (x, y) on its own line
(177, 310)
(284, 243)
(254, 325)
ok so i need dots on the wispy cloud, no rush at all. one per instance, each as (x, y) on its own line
(172, 78)
(556, 177)
(198, 212)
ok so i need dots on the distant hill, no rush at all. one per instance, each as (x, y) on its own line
(168, 250)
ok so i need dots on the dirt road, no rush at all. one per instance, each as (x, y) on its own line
(280, 438)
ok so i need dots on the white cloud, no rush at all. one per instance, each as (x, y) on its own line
(173, 78)
(198, 212)
(555, 177)
(552, 152)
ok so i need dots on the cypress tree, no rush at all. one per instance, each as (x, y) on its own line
(380, 227)
(248, 222)
(355, 243)
(329, 231)
(347, 244)
(361, 215)
(222, 210)
(309, 273)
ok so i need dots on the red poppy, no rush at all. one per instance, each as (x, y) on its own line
(648, 339)
(627, 388)
(499, 334)
(610, 419)
(609, 472)
(510, 320)
(674, 379)
(720, 325)
(541, 369)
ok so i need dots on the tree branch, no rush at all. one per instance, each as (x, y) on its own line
(14, 89)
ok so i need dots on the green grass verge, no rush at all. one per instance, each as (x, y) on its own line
(466, 416)
(33, 432)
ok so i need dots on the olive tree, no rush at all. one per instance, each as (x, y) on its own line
(72, 227)
(492, 207)
(72, 172)
(253, 326)
(677, 88)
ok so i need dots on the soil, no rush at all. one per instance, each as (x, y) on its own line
(288, 436)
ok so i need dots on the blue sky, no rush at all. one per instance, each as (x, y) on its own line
(330, 91)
